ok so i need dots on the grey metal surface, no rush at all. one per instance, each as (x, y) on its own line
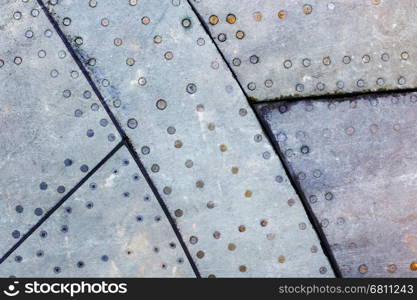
(51, 124)
(355, 160)
(111, 227)
(293, 48)
(196, 135)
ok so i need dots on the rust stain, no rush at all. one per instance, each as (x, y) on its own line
(411, 241)
(407, 219)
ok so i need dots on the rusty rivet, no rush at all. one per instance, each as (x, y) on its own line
(240, 34)
(307, 9)
(213, 20)
(223, 148)
(364, 269)
(257, 16)
(231, 19)
(392, 268)
(282, 14)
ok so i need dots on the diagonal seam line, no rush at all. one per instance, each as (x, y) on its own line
(123, 134)
(82, 68)
(60, 202)
(163, 206)
(307, 208)
(299, 191)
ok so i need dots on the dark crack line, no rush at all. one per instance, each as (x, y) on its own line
(307, 207)
(163, 206)
(268, 133)
(82, 68)
(59, 204)
(125, 139)
(337, 97)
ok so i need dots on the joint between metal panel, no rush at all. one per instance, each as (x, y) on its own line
(313, 220)
(59, 204)
(125, 140)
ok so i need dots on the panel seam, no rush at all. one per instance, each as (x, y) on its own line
(307, 208)
(124, 136)
(60, 202)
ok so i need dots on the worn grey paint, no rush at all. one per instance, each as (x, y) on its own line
(116, 228)
(355, 160)
(187, 163)
(347, 32)
(38, 127)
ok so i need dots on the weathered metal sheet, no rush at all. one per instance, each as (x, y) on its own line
(111, 227)
(53, 129)
(198, 138)
(294, 48)
(355, 160)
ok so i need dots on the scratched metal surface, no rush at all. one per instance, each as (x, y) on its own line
(196, 135)
(52, 127)
(294, 48)
(111, 227)
(355, 160)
